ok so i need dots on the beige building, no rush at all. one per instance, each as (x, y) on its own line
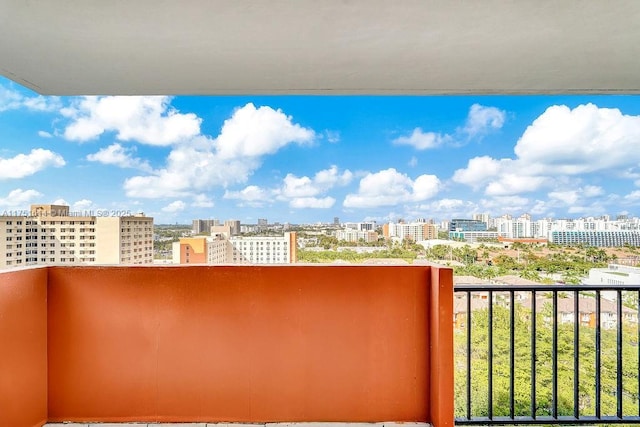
(50, 234)
(416, 231)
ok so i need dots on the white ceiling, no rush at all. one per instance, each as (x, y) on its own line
(71, 47)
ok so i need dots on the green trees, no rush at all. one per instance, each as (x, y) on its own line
(582, 356)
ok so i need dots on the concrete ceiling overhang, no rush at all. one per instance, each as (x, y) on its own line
(73, 47)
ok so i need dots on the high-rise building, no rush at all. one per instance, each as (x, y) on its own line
(200, 226)
(484, 217)
(467, 225)
(53, 235)
(234, 226)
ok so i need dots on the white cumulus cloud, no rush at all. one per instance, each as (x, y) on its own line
(117, 155)
(323, 180)
(145, 119)
(19, 197)
(255, 132)
(82, 205)
(11, 99)
(202, 201)
(482, 119)
(312, 202)
(478, 171)
(174, 207)
(28, 164)
(390, 187)
(44, 134)
(421, 140)
(251, 195)
(581, 140)
(202, 163)
(561, 143)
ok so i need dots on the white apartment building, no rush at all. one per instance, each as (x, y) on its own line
(614, 274)
(361, 226)
(51, 235)
(352, 235)
(262, 250)
(525, 227)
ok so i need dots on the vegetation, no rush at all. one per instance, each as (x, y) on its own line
(167, 234)
(543, 361)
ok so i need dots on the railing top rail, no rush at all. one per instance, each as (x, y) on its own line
(546, 288)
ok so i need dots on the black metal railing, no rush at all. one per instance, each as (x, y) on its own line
(547, 354)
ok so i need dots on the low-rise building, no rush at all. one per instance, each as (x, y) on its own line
(610, 238)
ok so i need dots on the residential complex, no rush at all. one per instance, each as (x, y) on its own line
(524, 226)
(50, 234)
(415, 231)
(609, 238)
(206, 226)
(351, 235)
(224, 248)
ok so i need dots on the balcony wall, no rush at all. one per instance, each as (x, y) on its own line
(235, 344)
(23, 348)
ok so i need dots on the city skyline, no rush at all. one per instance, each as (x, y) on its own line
(304, 159)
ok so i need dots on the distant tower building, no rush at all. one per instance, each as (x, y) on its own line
(484, 217)
(203, 225)
(336, 220)
(234, 226)
(262, 222)
(467, 225)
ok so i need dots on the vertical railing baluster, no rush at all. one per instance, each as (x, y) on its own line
(554, 412)
(490, 355)
(576, 354)
(511, 353)
(598, 355)
(619, 354)
(468, 354)
(554, 358)
(533, 353)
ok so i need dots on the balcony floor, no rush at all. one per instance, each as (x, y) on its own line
(301, 424)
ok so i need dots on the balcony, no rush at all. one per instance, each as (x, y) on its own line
(226, 344)
(522, 358)
(346, 344)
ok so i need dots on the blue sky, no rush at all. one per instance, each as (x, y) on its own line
(306, 159)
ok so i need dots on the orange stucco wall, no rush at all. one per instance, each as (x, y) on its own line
(441, 344)
(246, 344)
(239, 344)
(23, 348)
